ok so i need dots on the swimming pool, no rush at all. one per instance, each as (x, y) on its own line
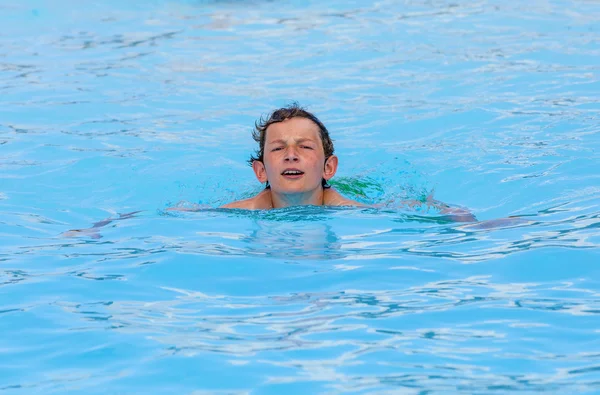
(139, 106)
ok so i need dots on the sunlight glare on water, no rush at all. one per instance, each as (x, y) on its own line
(112, 112)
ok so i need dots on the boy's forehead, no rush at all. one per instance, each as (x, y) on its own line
(293, 127)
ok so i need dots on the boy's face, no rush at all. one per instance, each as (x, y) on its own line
(294, 159)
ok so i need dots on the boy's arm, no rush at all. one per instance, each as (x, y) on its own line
(331, 197)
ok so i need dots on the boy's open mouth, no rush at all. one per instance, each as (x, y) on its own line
(292, 173)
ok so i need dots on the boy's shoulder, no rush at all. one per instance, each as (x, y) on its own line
(331, 197)
(262, 201)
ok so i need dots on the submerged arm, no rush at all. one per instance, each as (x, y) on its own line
(453, 214)
(94, 230)
(448, 213)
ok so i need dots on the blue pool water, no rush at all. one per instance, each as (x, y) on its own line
(108, 108)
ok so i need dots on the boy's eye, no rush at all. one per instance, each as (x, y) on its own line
(305, 146)
(276, 149)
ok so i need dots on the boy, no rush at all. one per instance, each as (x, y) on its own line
(295, 159)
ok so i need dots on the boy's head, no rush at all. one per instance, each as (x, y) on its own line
(292, 138)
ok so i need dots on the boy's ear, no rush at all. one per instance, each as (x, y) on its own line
(331, 165)
(259, 170)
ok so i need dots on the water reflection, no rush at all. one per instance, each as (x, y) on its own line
(292, 240)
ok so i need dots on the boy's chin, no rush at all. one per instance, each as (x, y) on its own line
(289, 190)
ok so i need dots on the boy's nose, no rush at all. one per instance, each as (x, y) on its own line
(291, 155)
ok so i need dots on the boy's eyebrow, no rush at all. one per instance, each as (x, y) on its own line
(303, 139)
(300, 140)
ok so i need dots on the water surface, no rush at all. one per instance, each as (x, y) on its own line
(115, 107)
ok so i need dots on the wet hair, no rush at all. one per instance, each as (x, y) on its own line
(291, 111)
